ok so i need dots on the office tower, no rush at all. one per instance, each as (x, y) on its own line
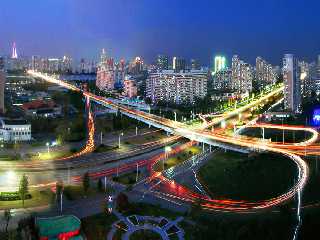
(178, 64)
(2, 84)
(242, 75)
(35, 62)
(14, 54)
(136, 66)
(130, 87)
(265, 75)
(220, 63)
(305, 70)
(292, 86)
(316, 76)
(162, 62)
(195, 64)
(176, 87)
(222, 80)
(105, 73)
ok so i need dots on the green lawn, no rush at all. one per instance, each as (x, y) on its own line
(39, 198)
(236, 176)
(127, 178)
(276, 135)
(145, 235)
(73, 192)
(178, 158)
(97, 226)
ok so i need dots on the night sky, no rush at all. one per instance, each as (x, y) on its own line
(188, 28)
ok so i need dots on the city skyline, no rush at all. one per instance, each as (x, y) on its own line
(141, 29)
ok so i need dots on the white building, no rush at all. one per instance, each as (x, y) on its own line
(292, 86)
(242, 75)
(265, 75)
(14, 130)
(222, 80)
(177, 87)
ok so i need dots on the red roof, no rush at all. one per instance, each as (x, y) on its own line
(36, 104)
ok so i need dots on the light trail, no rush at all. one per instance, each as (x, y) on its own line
(176, 191)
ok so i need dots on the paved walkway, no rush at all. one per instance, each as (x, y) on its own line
(164, 226)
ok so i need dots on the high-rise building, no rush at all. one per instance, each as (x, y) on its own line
(35, 62)
(105, 73)
(220, 63)
(305, 78)
(130, 87)
(242, 75)
(176, 87)
(265, 74)
(316, 76)
(162, 62)
(222, 80)
(136, 66)
(178, 64)
(14, 54)
(195, 64)
(292, 86)
(2, 84)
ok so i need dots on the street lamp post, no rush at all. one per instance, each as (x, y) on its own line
(48, 147)
(167, 150)
(137, 172)
(121, 134)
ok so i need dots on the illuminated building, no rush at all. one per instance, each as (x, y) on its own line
(242, 75)
(130, 87)
(35, 62)
(105, 73)
(162, 62)
(2, 84)
(265, 75)
(220, 63)
(14, 54)
(136, 66)
(292, 85)
(14, 130)
(305, 78)
(170, 86)
(222, 80)
(316, 76)
(178, 64)
(195, 64)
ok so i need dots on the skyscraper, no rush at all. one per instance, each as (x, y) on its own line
(2, 84)
(162, 62)
(195, 64)
(242, 75)
(265, 74)
(14, 51)
(178, 64)
(220, 63)
(105, 73)
(292, 86)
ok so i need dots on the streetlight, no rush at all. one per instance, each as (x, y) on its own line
(167, 150)
(48, 146)
(175, 116)
(121, 134)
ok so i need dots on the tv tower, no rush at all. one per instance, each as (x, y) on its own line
(14, 51)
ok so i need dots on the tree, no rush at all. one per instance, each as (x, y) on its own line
(100, 186)
(86, 182)
(7, 217)
(122, 202)
(23, 188)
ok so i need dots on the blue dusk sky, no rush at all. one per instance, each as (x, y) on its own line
(188, 28)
